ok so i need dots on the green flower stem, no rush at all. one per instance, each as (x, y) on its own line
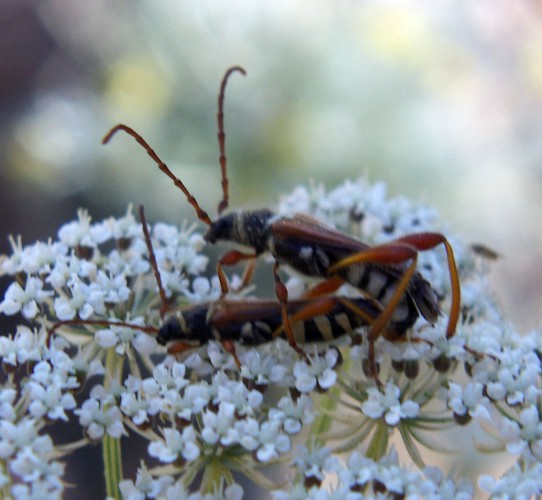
(214, 476)
(379, 442)
(328, 403)
(112, 457)
(111, 449)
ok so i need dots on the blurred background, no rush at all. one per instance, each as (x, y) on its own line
(441, 100)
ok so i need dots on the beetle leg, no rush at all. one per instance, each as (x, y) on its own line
(229, 346)
(371, 360)
(427, 241)
(314, 308)
(369, 318)
(390, 253)
(247, 276)
(282, 294)
(379, 324)
(229, 259)
(179, 347)
(403, 249)
(326, 287)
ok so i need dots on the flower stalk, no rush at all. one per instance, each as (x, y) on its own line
(111, 446)
(112, 457)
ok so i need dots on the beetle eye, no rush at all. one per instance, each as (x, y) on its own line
(168, 331)
(220, 229)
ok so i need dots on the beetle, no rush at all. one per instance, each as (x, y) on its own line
(251, 322)
(246, 321)
(385, 273)
(256, 321)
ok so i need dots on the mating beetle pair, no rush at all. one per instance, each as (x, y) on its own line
(395, 294)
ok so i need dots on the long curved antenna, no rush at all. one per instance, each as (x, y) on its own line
(222, 138)
(202, 214)
(154, 265)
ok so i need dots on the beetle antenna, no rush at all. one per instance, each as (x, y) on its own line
(154, 265)
(222, 137)
(202, 214)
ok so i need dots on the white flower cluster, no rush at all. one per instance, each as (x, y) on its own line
(504, 368)
(167, 488)
(26, 452)
(389, 405)
(73, 277)
(225, 411)
(91, 299)
(365, 211)
(364, 478)
(81, 276)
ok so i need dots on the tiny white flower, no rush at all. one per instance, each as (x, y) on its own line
(25, 346)
(316, 462)
(67, 266)
(517, 482)
(125, 227)
(273, 442)
(58, 370)
(12, 264)
(82, 233)
(98, 418)
(121, 337)
(7, 398)
(293, 414)
(389, 405)
(219, 427)
(469, 400)
(262, 369)
(319, 372)
(145, 486)
(169, 374)
(85, 300)
(244, 400)
(49, 401)
(234, 492)
(31, 259)
(203, 290)
(25, 300)
(176, 444)
(525, 435)
(249, 433)
(359, 472)
(15, 436)
(132, 401)
(114, 289)
(219, 358)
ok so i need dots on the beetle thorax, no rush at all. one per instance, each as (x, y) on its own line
(249, 228)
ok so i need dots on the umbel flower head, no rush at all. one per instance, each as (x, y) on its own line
(91, 311)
